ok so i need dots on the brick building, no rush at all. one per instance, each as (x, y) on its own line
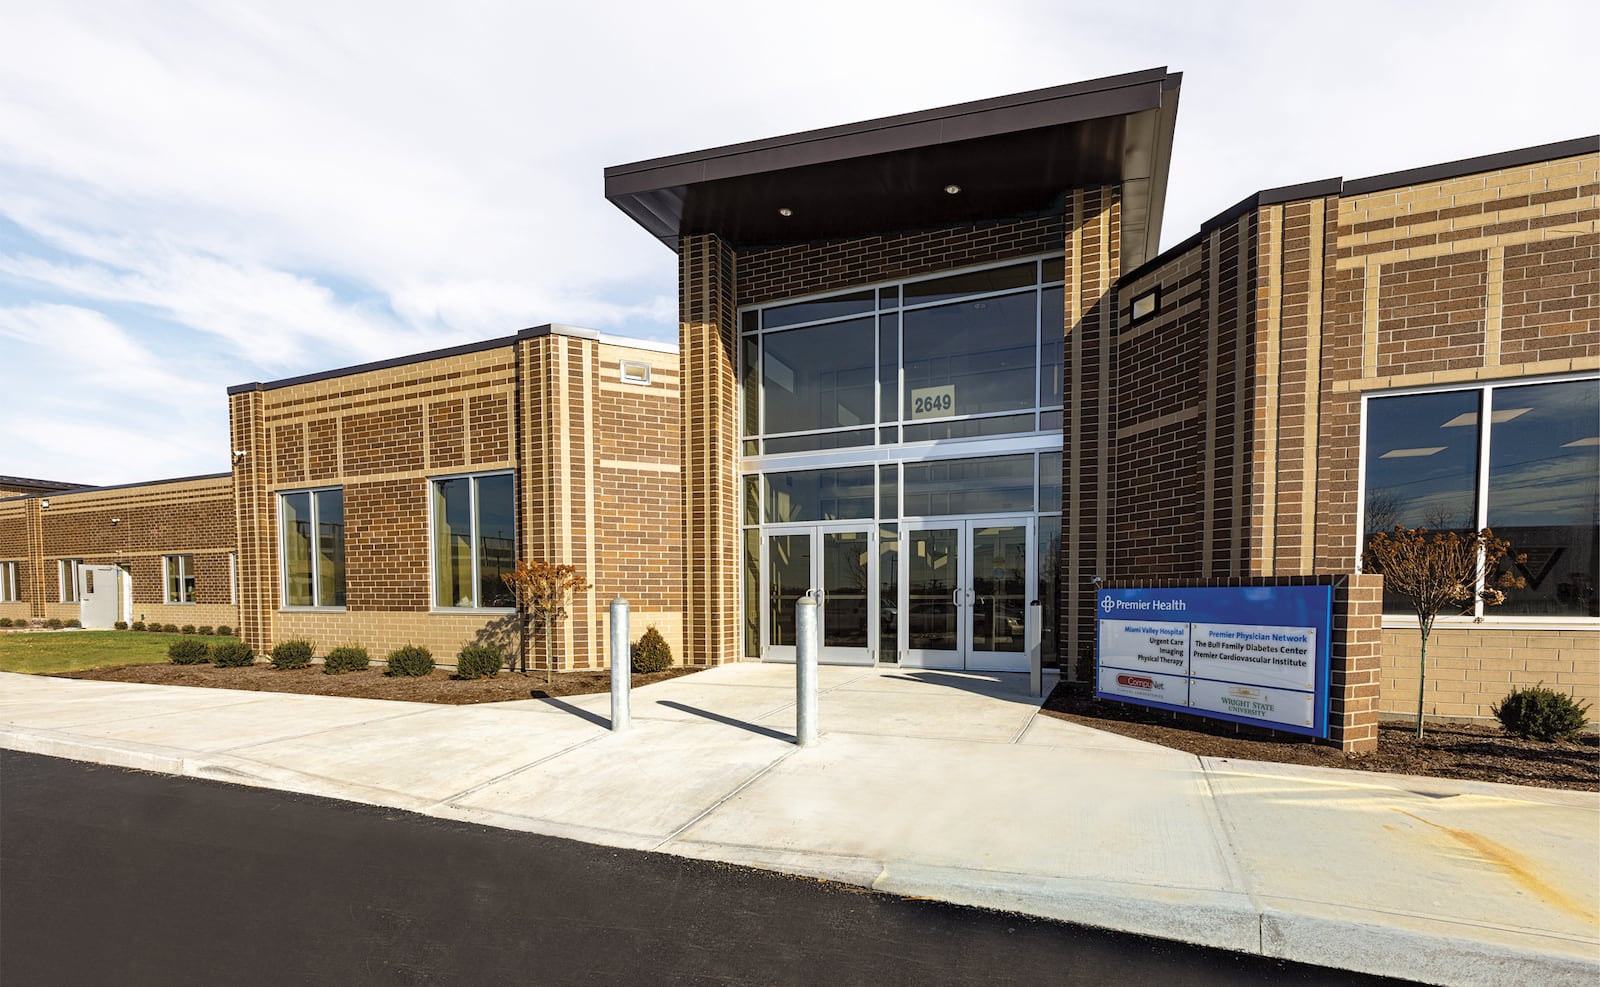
(167, 547)
(934, 371)
(939, 377)
(379, 505)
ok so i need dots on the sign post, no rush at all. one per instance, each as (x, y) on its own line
(1250, 654)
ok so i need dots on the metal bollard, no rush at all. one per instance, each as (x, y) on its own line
(621, 665)
(805, 672)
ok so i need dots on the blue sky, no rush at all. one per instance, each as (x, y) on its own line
(197, 195)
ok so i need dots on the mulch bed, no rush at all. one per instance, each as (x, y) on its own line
(1446, 750)
(439, 687)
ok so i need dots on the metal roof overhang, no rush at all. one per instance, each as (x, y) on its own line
(1011, 156)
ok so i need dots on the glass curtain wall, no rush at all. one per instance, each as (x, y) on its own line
(883, 404)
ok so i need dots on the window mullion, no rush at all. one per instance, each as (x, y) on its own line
(472, 534)
(1485, 424)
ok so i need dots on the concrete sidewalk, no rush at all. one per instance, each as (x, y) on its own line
(937, 784)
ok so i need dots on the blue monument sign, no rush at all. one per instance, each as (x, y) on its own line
(1255, 654)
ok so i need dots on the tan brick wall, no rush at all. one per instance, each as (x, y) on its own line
(1483, 277)
(597, 468)
(1472, 668)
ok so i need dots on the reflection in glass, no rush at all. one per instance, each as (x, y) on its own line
(452, 542)
(889, 367)
(1544, 494)
(820, 495)
(750, 379)
(833, 307)
(788, 579)
(989, 485)
(888, 593)
(932, 567)
(497, 539)
(1050, 481)
(971, 283)
(330, 548)
(1052, 347)
(845, 558)
(815, 441)
(1049, 538)
(889, 491)
(296, 522)
(968, 428)
(752, 499)
(820, 377)
(752, 593)
(985, 350)
(1421, 466)
(1000, 587)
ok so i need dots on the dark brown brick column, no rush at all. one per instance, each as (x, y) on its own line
(709, 374)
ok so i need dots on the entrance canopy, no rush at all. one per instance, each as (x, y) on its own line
(1008, 156)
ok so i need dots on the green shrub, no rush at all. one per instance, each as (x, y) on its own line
(410, 660)
(74, 622)
(291, 654)
(54, 623)
(478, 661)
(169, 628)
(652, 653)
(225, 630)
(232, 654)
(120, 625)
(186, 629)
(186, 651)
(138, 625)
(5, 621)
(341, 660)
(1541, 714)
(204, 630)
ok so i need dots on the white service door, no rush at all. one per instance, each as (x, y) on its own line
(99, 588)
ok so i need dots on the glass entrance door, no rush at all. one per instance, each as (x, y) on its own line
(965, 594)
(837, 567)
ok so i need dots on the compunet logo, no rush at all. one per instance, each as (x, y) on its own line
(1135, 682)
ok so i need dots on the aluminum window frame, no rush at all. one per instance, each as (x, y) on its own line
(185, 572)
(1480, 615)
(433, 548)
(67, 580)
(8, 582)
(284, 606)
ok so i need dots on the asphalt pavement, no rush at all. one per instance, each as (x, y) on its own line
(935, 785)
(125, 877)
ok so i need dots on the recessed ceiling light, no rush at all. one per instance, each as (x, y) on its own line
(785, 212)
(952, 189)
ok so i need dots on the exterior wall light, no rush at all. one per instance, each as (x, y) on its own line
(785, 212)
(952, 189)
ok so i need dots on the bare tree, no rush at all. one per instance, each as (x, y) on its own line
(541, 590)
(1434, 570)
(1382, 510)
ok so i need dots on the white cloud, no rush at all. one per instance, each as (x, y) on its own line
(258, 191)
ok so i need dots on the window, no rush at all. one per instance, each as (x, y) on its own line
(949, 356)
(635, 372)
(8, 582)
(178, 573)
(69, 579)
(1144, 306)
(1533, 475)
(311, 526)
(474, 540)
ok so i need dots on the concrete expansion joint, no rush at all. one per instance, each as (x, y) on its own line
(257, 742)
(450, 800)
(709, 810)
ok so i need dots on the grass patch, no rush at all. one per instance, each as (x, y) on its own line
(53, 652)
